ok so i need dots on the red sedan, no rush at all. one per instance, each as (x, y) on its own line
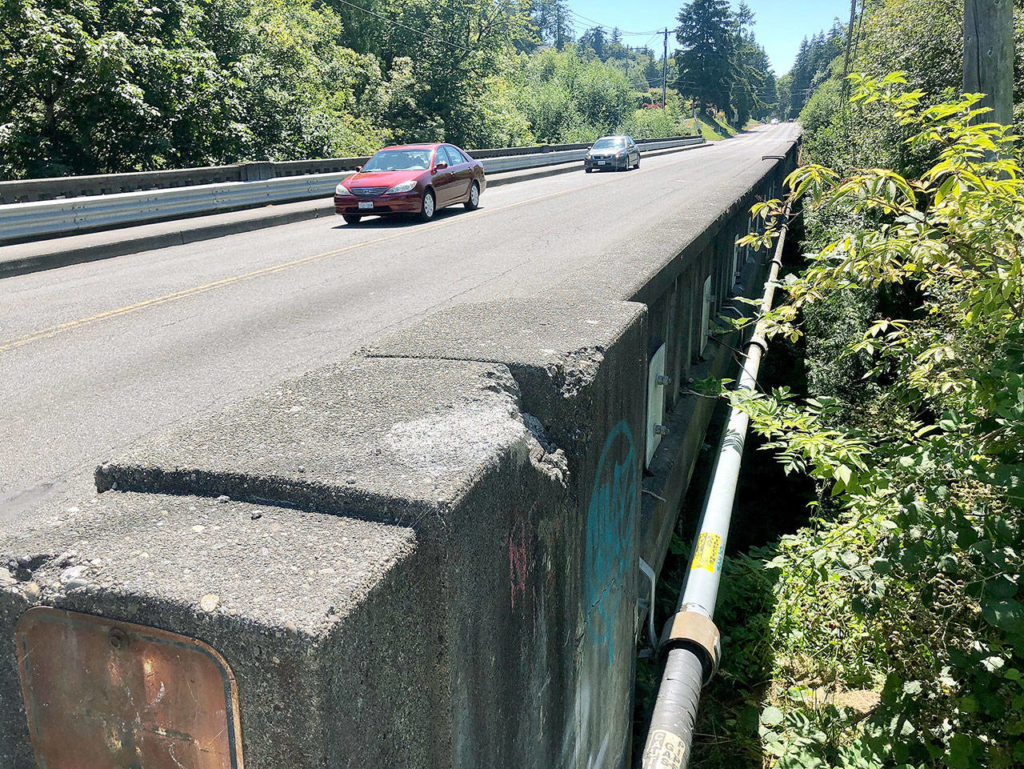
(411, 179)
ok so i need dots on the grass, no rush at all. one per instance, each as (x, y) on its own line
(712, 130)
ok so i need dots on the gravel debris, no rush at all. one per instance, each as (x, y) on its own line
(209, 602)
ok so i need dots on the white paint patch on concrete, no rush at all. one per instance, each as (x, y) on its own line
(464, 437)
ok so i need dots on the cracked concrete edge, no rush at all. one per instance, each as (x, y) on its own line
(400, 441)
(563, 344)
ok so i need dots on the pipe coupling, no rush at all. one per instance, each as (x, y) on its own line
(759, 342)
(694, 631)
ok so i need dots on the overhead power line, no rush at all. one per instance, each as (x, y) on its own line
(595, 23)
(419, 32)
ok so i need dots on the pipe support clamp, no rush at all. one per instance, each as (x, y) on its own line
(758, 342)
(694, 631)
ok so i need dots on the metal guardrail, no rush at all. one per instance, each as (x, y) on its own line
(22, 221)
(52, 188)
(28, 190)
(70, 215)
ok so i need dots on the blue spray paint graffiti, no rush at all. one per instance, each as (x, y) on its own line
(610, 547)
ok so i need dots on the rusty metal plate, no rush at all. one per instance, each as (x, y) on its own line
(102, 694)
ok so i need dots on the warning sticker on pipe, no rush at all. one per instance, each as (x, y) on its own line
(664, 751)
(706, 554)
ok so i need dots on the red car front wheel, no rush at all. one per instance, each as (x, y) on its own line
(473, 201)
(429, 206)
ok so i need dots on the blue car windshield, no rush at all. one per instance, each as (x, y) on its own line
(398, 160)
(609, 144)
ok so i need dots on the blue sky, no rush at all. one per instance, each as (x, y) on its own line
(780, 25)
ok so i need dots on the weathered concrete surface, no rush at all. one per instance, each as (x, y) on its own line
(387, 440)
(439, 447)
(581, 369)
(325, 620)
(669, 474)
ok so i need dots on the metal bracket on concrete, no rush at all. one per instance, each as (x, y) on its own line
(705, 315)
(647, 571)
(656, 381)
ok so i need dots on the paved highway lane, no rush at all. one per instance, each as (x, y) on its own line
(95, 355)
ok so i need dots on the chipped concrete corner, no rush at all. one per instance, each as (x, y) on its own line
(578, 368)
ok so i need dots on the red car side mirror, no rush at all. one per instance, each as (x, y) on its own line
(440, 166)
(358, 169)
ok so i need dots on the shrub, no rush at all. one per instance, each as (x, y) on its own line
(910, 597)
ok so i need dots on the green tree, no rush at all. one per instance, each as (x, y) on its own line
(88, 88)
(551, 22)
(593, 40)
(567, 98)
(453, 46)
(783, 90)
(814, 65)
(751, 71)
(91, 87)
(705, 33)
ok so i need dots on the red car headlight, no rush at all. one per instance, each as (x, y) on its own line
(408, 186)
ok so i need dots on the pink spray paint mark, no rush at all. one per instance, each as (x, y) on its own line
(518, 560)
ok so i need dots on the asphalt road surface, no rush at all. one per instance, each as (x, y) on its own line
(96, 355)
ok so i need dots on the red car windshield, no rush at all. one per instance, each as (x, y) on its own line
(399, 160)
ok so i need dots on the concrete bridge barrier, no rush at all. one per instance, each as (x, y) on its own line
(440, 557)
(426, 555)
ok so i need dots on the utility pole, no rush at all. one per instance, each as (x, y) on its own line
(664, 73)
(849, 47)
(988, 56)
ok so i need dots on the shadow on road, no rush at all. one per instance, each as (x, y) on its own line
(397, 221)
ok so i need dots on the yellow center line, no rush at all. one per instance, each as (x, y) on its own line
(52, 331)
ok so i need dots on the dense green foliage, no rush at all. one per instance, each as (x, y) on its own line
(890, 632)
(566, 98)
(100, 86)
(753, 89)
(96, 85)
(812, 67)
(922, 39)
(705, 33)
(910, 596)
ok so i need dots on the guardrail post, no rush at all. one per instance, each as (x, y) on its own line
(256, 172)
